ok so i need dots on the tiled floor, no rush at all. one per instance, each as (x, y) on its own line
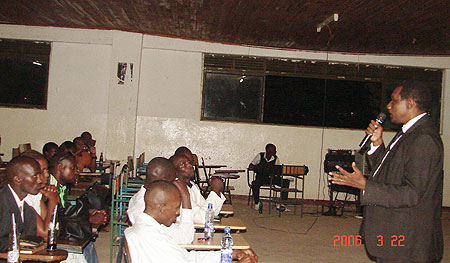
(291, 238)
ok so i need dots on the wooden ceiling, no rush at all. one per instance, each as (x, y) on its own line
(414, 27)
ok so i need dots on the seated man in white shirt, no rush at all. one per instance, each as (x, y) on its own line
(185, 173)
(264, 165)
(160, 168)
(147, 240)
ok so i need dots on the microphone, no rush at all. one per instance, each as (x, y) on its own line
(381, 117)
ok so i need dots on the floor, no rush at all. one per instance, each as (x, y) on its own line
(291, 238)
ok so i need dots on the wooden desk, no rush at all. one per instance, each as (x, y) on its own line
(214, 243)
(227, 210)
(212, 166)
(234, 223)
(227, 175)
(85, 185)
(41, 256)
(90, 174)
(73, 246)
(79, 189)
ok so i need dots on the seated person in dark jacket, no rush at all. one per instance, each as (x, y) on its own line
(264, 166)
(23, 177)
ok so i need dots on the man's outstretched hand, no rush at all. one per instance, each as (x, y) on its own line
(355, 179)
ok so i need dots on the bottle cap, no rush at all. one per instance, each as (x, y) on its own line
(227, 229)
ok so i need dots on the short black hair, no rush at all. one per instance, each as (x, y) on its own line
(270, 145)
(67, 145)
(48, 146)
(33, 154)
(182, 150)
(417, 91)
(58, 158)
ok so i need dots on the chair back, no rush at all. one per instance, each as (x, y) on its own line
(294, 170)
(130, 164)
(207, 176)
(250, 177)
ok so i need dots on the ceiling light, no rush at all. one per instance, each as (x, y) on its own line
(331, 18)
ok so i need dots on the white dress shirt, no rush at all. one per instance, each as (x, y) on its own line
(34, 201)
(148, 242)
(200, 205)
(181, 233)
(405, 128)
(257, 159)
(19, 202)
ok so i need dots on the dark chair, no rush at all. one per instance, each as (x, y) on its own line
(123, 253)
(297, 172)
(251, 176)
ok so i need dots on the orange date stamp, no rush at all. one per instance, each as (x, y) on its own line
(356, 241)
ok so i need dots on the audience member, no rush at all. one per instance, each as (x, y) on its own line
(87, 139)
(263, 164)
(43, 211)
(24, 177)
(185, 173)
(49, 150)
(62, 172)
(67, 146)
(160, 168)
(85, 161)
(148, 241)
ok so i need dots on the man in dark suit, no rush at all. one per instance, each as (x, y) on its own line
(403, 195)
(24, 177)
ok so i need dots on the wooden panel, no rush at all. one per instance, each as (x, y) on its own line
(386, 27)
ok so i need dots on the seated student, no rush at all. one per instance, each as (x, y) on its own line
(67, 146)
(43, 211)
(263, 165)
(85, 161)
(90, 143)
(24, 177)
(160, 168)
(49, 150)
(147, 240)
(62, 169)
(183, 150)
(185, 173)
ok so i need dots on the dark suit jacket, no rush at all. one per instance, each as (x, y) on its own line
(403, 200)
(7, 206)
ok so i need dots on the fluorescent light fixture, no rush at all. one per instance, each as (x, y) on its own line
(331, 18)
(37, 63)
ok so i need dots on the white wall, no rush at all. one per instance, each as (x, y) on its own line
(77, 100)
(83, 96)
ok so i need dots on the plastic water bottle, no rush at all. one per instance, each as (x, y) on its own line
(53, 227)
(209, 222)
(226, 253)
(13, 255)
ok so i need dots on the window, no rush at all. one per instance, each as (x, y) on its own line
(24, 73)
(232, 97)
(301, 92)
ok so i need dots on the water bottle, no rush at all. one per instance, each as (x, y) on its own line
(52, 231)
(14, 247)
(226, 253)
(209, 222)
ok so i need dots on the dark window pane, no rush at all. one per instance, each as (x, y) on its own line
(234, 97)
(24, 73)
(351, 104)
(291, 100)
